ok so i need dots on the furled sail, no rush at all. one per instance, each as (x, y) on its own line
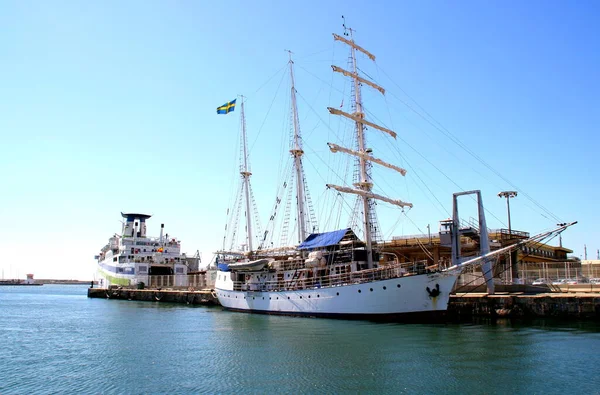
(354, 45)
(356, 118)
(359, 78)
(336, 148)
(368, 194)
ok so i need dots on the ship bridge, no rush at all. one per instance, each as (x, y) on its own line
(134, 225)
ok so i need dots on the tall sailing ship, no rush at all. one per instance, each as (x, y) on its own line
(336, 274)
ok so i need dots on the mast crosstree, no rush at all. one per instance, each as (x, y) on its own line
(364, 185)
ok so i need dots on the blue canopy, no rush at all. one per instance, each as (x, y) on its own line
(223, 267)
(318, 240)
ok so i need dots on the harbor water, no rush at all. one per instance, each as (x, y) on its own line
(56, 340)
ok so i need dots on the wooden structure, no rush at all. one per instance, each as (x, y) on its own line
(519, 267)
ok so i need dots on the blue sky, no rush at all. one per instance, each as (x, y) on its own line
(110, 106)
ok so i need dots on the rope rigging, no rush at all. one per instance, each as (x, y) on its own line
(285, 195)
(294, 174)
(428, 118)
(438, 126)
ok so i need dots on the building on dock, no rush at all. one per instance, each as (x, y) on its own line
(523, 266)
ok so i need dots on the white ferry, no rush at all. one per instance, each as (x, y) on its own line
(129, 259)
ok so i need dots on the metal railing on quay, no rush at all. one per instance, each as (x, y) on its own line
(560, 273)
(190, 282)
(567, 276)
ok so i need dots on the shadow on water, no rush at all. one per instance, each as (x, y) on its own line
(547, 324)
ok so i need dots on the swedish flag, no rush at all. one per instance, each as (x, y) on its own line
(227, 107)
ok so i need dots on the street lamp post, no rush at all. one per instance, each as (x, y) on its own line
(508, 195)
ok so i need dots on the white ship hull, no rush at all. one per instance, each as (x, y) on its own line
(391, 299)
(119, 275)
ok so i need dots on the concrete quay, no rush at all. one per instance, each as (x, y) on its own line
(561, 305)
(191, 297)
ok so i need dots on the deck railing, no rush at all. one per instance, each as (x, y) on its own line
(330, 280)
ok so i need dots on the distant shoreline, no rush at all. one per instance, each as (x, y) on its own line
(46, 281)
(64, 282)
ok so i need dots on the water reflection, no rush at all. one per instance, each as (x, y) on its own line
(60, 341)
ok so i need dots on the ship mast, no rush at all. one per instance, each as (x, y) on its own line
(297, 152)
(364, 185)
(246, 178)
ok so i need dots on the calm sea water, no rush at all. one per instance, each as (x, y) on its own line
(53, 339)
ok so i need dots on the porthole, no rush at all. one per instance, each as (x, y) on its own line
(398, 285)
(384, 288)
(300, 297)
(288, 297)
(253, 298)
(371, 289)
(269, 298)
(337, 294)
(318, 296)
(263, 298)
(359, 291)
(309, 296)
